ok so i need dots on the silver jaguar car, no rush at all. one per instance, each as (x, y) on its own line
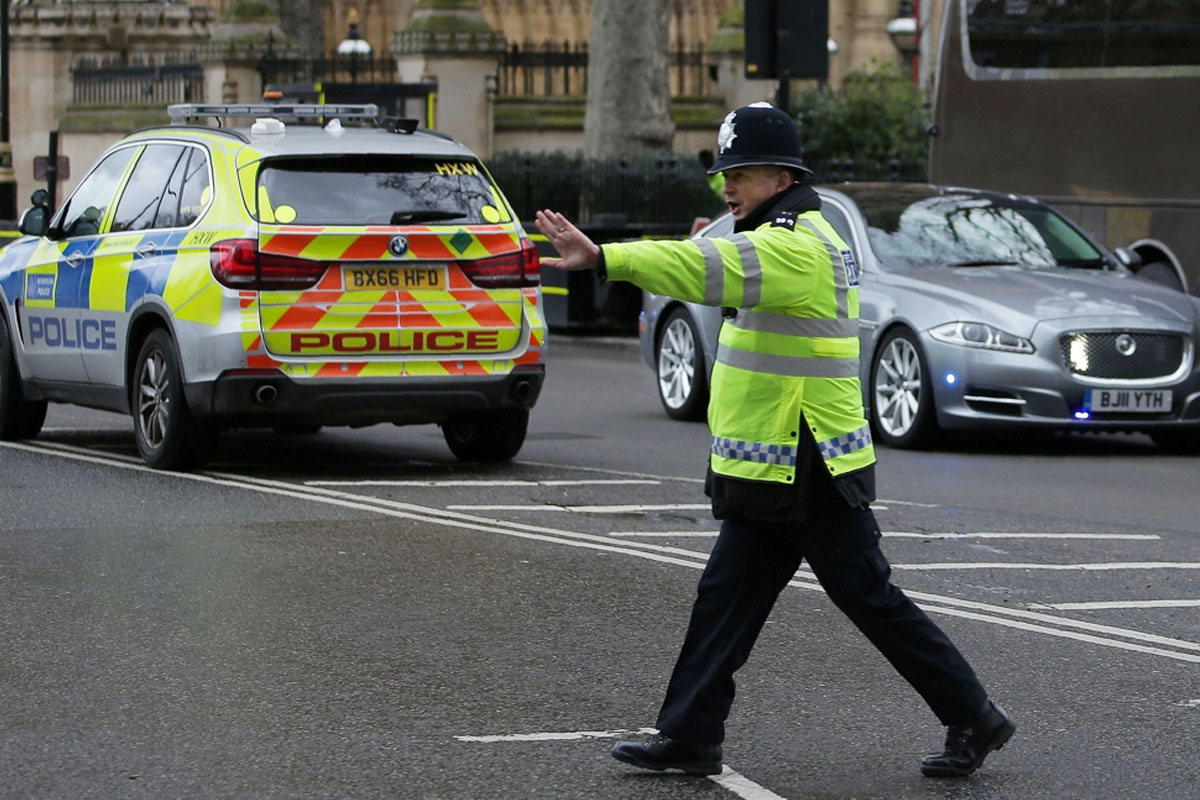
(978, 310)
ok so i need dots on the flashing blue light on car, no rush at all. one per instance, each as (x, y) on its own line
(950, 379)
(1081, 414)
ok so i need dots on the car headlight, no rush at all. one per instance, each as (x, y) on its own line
(978, 334)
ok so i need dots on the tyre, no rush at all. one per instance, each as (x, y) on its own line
(1160, 273)
(682, 377)
(902, 405)
(167, 435)
(19, 418)
(487, 436)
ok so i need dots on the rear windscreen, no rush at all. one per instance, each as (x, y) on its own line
(376, 190)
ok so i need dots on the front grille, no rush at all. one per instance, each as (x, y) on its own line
(1123, 355)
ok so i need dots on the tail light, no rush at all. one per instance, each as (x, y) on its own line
(238, 264)
(523, 268)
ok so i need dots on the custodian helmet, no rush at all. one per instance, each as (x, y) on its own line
(759, 134)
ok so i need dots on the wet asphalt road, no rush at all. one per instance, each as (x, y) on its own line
(355, 615)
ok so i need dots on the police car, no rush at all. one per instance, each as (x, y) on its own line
(279, 274)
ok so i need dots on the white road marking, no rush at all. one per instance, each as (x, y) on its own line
(1106, 605)
(728, 778)
(665, 555)
(604, 471)
(1103, 567)
(627, 509)
(1189, 703)
(665, 534)
(487, 484)
(742, 786)
(565, 736)
(1137, 537)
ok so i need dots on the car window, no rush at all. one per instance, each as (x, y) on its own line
(837, 218)
(138, 206)
(376, 190)
(83, 211)
(197, 188)
(967, 230)
(168, 207)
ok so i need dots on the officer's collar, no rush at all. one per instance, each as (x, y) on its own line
(798, 197)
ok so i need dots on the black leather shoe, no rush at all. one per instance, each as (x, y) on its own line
(968, 745)
(662, 752)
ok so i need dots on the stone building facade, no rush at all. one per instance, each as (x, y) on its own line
(50, 39)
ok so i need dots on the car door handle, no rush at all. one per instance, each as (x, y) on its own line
(147, 250)
(74, 259)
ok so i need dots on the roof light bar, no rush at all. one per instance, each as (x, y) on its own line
(182, 112)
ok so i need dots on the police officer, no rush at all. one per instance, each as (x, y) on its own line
(791, 469)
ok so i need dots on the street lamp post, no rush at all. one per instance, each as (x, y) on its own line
(904, 32)
(353, 46)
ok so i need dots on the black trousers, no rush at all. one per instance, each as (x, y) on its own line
(751, 564)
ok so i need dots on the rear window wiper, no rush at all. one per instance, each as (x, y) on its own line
(425, 215)
(984, 263)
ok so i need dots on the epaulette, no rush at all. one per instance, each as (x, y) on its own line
(785, 219)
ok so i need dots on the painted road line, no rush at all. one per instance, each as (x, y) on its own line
(1135, 537)
(1103, 567)
(623, 509)
(1106, 605)
(673, 556)
(728, 779)
(604, 471)
(742, 786)
(479, 484)
(665, 534)
(565, 736)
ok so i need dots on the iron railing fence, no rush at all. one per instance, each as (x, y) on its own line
(665, 189)
(335, 69)
(100, 83)
(560, 68)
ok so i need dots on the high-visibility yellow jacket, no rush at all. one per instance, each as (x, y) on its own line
(791, 350)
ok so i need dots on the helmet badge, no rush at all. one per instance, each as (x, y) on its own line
(726, 135)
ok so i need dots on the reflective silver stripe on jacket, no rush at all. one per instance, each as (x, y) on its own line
(771, 322)
(792, 366)
(751, 267)
(841, 286)
(714, 272)
(758, 452)
(845, 444)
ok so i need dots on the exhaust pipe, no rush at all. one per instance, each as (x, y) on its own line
(265, 394)
(521, 389)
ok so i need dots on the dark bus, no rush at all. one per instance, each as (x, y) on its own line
(1090, 105)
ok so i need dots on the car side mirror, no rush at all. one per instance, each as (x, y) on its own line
(1128, 258)
(35, 221)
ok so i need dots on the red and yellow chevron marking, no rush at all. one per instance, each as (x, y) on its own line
(370, 242)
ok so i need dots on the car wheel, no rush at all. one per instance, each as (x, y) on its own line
(682, 378)
(19, 418)
(167, 435)
(488, 436)
(1162, 274)
(902, 406)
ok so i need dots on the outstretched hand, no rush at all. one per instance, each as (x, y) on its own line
(577, 251)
